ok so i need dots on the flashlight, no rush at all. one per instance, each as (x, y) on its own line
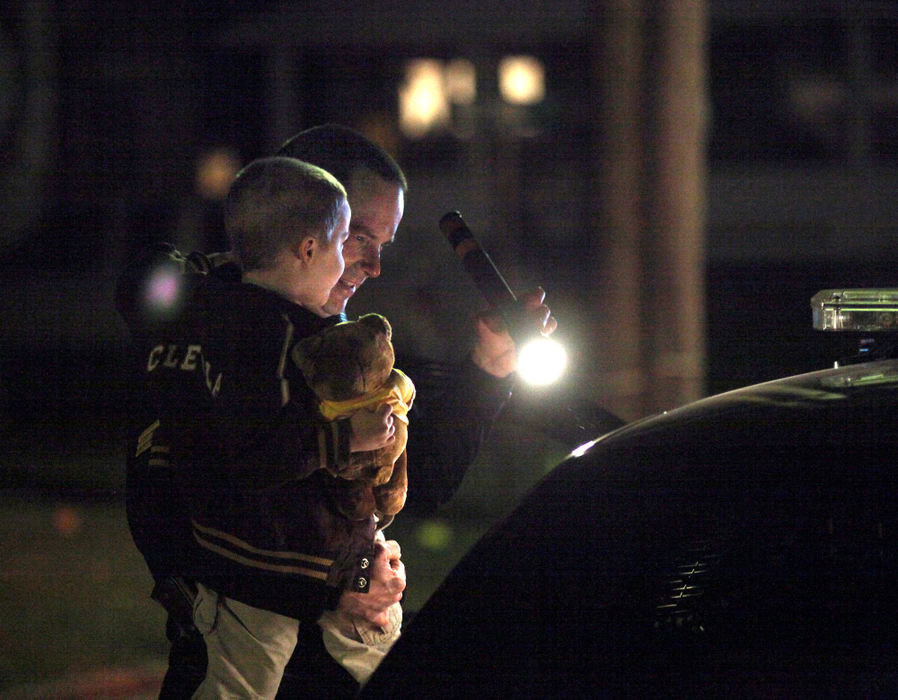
(541, 360)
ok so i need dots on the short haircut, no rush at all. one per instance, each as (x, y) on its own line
(275, 203)
(341, 151)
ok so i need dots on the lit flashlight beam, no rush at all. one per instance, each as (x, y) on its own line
(541, 360)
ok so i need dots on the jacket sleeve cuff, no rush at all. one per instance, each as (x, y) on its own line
(488, 393)
(353, 572)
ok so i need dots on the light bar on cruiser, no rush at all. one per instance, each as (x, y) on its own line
(865, 310)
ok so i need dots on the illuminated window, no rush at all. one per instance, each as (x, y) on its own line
(522, 80)
(215, 171)
(432, 88)
(423, 104)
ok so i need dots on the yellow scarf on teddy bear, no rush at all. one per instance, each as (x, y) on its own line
(398, 391)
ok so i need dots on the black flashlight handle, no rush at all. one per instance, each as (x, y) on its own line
(486, 275)
(569, 426)
(476, 262)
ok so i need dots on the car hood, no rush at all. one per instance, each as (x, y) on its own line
(745, 543)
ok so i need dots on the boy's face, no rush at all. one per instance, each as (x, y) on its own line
(326, 265)
(377, 207)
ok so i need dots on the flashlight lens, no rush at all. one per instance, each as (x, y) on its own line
(541, 361)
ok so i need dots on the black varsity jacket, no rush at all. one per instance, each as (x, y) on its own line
(225, 411)
(455, 408)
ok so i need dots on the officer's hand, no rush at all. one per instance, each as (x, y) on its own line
(494, 350)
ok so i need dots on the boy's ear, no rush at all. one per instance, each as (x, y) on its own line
(307, 249)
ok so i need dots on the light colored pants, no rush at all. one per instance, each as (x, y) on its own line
(248, 648)
(356, 646)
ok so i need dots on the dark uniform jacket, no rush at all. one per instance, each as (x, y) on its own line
(225, 480)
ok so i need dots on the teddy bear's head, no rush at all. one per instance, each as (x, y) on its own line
(347, 360)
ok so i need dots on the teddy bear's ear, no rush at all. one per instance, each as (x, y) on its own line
(304, 352)
(377, 323)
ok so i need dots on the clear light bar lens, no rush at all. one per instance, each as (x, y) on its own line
(855, 310)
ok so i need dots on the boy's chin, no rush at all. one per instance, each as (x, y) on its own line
(334, 305)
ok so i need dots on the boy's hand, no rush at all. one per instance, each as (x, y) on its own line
(385, 588)
(371, 430)
(494, 350)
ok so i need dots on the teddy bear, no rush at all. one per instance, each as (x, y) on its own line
(349, 366)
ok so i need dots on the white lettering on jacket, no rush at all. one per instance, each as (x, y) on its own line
(174, 357)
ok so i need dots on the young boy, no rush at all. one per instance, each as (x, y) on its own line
(231, 417)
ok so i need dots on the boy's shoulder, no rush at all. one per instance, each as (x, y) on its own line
(160, 281)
